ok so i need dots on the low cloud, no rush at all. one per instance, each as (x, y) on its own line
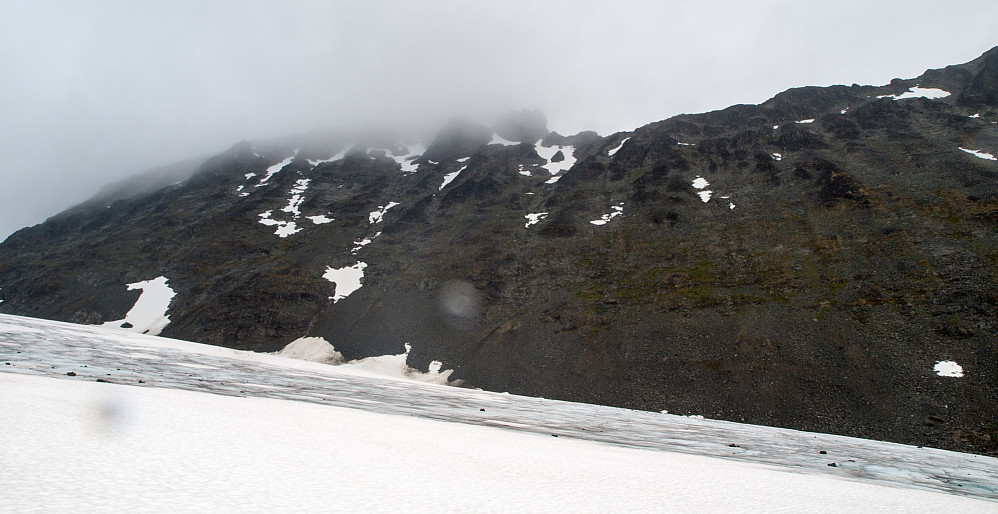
(99, 90)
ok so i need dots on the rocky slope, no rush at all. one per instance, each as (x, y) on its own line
(801, 263)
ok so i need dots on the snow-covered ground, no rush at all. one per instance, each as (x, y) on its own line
(148, 315)
(178, 426)
(979, 154)
(919, 92)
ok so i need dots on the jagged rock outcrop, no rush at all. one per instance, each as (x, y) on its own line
(802, 263)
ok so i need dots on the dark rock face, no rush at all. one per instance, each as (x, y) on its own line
(812, 284)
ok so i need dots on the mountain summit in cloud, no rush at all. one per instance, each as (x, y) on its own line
(811, 262)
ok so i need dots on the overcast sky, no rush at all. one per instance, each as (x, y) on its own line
(93, 91)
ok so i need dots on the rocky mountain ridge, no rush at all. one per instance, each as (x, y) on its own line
(801, 263)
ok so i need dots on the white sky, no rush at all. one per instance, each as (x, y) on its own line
(95, 91)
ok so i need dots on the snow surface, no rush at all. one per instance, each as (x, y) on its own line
(948, 369)
(555, 168)
(777, 156)
(317, 349)
(312, 349)
(154, 450)
(276, 168)
(347, 279)
(617, 211)
(148, 315)
(618, 147)
(977, 115)
(320, 219)
(448, 178)
(364, 242)
(294, 202)
(918, 92)
(412, 152)
(284, 228)
(700, 183)
(497, 140)
(979, 154)
(349, 442)
(534, 218)
(685, 144)
(335, 157)
(378, 215)
(810, 120)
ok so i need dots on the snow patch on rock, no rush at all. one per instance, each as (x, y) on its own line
(498, 140)
(148, 315)
(701, 183)
(979, 154)
(378, 215)
(618, 147)
(548, 153)
(534, 218)
(320, 219)
(919, 92)
(448, 178)
(346, 279)
(271, 171)
(617, 210)
(339, 155)
(364, 242)
(948, 369)
(284, 228)
(301, 185)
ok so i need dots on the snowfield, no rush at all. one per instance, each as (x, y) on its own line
(102, 420)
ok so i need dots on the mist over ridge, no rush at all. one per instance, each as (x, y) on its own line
(98, 92)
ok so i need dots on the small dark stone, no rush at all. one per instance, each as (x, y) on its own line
(833, 465)
(142, 381)
(127, 325)
(71, 374)
(103, 380)
(482, 410)
(823, 452)
(733, 445)
(554, 435)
